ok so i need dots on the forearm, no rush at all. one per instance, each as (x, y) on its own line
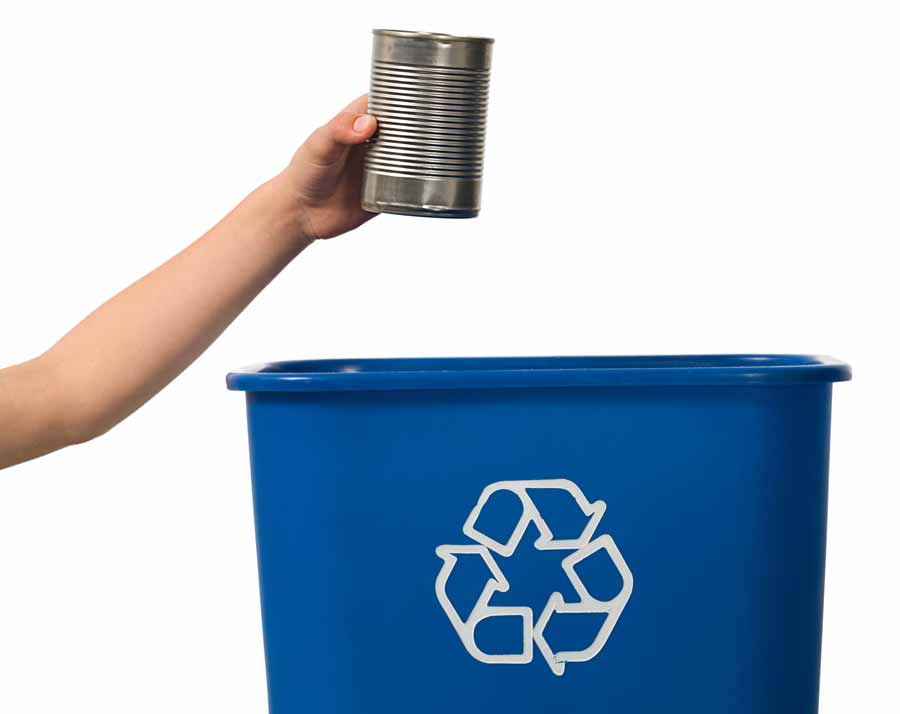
(136, 343)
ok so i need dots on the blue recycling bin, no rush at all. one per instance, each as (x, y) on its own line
(630, 535)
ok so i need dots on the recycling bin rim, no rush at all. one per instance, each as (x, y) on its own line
(390, 374)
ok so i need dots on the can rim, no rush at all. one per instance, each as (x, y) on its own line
(440, 36)
(390, 374)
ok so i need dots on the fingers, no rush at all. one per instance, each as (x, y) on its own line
(352, 126)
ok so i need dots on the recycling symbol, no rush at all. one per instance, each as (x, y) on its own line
(583, 547)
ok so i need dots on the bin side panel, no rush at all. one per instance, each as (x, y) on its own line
(715, 498)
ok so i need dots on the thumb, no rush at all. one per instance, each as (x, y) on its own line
(328, 144)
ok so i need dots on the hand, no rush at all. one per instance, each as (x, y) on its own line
(325, 175)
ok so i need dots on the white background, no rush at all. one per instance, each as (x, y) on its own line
(661, 177)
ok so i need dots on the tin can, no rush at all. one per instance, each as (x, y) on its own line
(429, 92)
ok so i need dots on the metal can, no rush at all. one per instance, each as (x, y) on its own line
(429, 92)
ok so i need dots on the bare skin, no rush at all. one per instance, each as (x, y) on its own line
(132, 346)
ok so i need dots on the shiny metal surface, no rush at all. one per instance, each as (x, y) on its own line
(429, 92)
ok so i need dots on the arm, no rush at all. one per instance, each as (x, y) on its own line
(134, 345)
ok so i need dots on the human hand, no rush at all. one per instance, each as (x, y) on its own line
(325, 174)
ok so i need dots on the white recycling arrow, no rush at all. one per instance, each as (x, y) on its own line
(482, 610)
(530, 514)
(585, 605)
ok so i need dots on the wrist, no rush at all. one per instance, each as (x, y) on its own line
(285, 213)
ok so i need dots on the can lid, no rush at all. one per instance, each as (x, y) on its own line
(415, 51)
(341, 375)
(431, 36)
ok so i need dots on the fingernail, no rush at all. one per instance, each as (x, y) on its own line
(363, 123)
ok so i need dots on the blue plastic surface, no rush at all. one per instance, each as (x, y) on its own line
(386, 493)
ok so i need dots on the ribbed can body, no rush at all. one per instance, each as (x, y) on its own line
(429, 93)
